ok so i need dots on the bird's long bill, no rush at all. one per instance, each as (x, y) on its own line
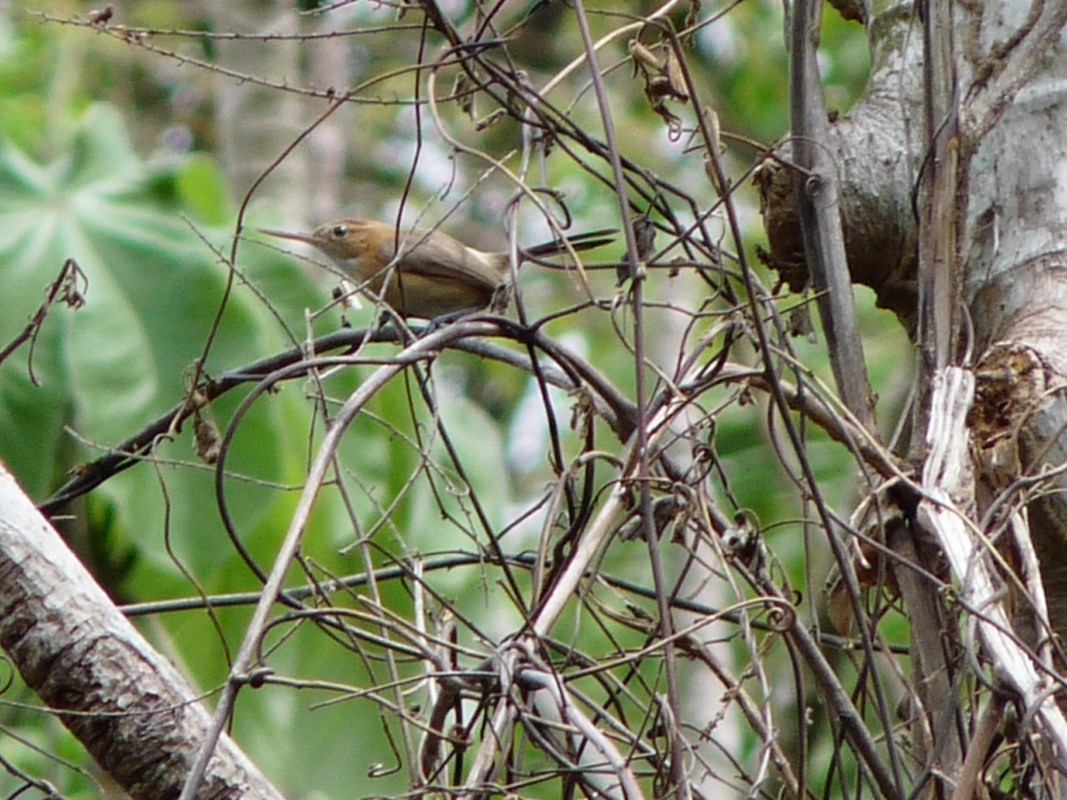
(307, 238)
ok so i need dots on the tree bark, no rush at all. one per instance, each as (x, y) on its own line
(954, 206)
(127, 704)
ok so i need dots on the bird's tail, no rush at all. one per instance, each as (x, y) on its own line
(580, 241)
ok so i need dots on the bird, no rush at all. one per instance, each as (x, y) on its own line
(436, 276)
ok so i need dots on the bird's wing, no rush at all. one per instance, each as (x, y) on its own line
(438, 255)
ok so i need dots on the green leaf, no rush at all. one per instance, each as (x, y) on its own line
(203, 190)
(154, 291)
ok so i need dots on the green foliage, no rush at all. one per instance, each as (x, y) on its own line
(152, 291)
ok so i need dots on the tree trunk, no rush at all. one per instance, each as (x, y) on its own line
(954, 206)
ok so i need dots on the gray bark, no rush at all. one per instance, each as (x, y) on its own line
(129, 706)
(954, 202)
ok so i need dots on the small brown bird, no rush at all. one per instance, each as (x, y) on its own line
(436, 276)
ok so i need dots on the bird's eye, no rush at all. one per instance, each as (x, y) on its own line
(339, 231)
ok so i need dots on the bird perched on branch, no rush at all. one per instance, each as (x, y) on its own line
(436, 275)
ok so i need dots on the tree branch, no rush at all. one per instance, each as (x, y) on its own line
(820, 218)
(127, 704)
